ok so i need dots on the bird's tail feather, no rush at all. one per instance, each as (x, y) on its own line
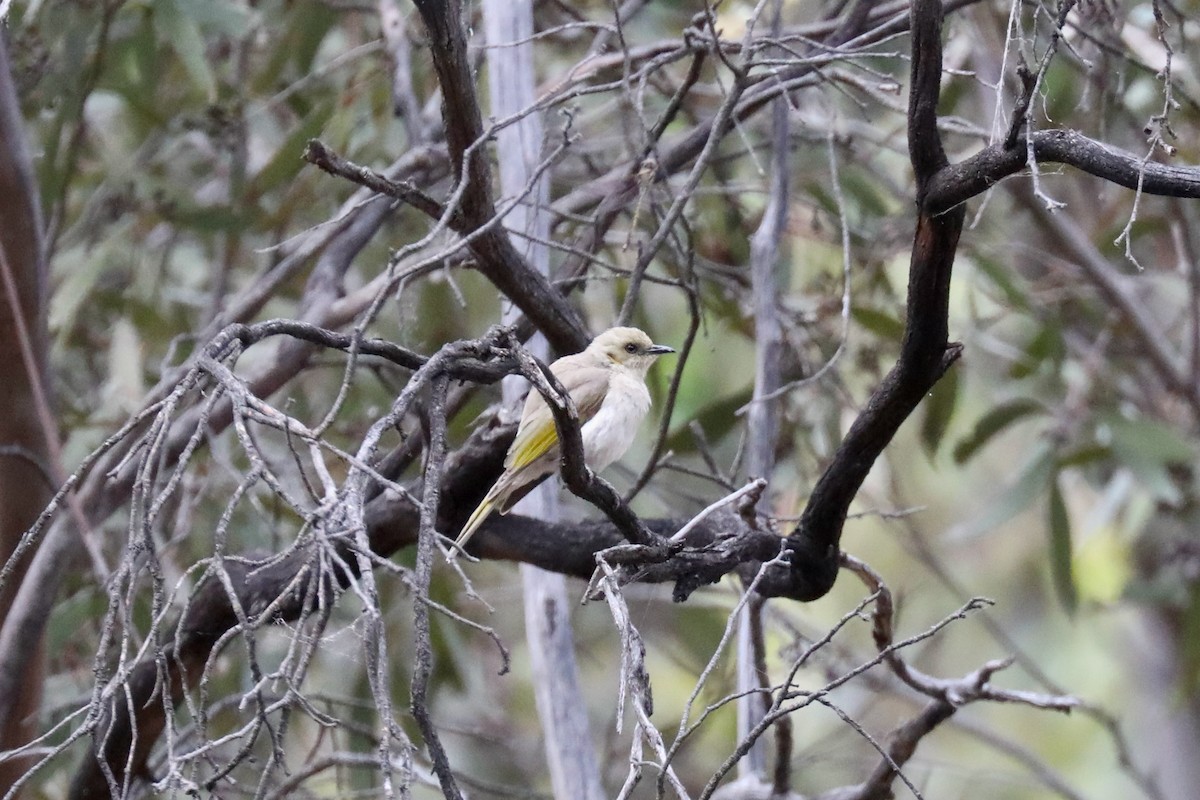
(500, 499)
(477, 518)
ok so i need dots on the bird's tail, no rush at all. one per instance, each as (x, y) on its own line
(478, 517)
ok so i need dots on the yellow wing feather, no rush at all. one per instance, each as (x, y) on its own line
(537, 437)
(534, 440)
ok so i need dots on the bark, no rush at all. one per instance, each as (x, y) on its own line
(24, 450)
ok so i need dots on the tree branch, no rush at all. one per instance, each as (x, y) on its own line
(27, 425)
(925, 352)
(496, 257)
(958, 183)
(723, 543)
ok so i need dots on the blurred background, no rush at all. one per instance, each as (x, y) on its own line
(1051, 471)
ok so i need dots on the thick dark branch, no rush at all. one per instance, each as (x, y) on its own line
(924, 141)
(496, 257)
(612, 192)
(925, 353)
(280, 584)
(460, 107)
(28, 422)
(946, 694)
(721, 544)
(960, 182)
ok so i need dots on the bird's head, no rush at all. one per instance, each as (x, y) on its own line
(627, 347)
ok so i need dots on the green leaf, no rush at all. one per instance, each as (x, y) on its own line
(135, 76)
(1000, 273)
(1103, 565)
(287, 159)
(1148, 448)
(992, 423)
(1020, 496)
(182, 32)
(716, 419)
(822, 197)
(1151, 440)
(81, 270)
(939, 409)
(1045, 347)
(1189, 638)
(221, 17)
(1059, 528)
(884, 325)
(72, 614)
(1084, 454)
(866, 191)
(313, 20)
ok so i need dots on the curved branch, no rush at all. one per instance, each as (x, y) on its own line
(925, 148)
(478, 370)
(724, 542)
(134, 719)
(960, 182)
(319, 155)
(925, 353)
(611, 193)
(496, 256)
(721, 544)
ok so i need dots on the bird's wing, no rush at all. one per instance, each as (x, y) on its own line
(587, 385)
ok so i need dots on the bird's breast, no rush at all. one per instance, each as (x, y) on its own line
(609, 434)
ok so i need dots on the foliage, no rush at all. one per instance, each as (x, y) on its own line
(1052, 468)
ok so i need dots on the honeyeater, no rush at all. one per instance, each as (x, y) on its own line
(607, 382)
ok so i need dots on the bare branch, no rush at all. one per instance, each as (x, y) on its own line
(465, 136)
(958, 183)
(423, 665)
(925, 352)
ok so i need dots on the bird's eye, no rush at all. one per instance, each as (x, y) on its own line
(631, 348)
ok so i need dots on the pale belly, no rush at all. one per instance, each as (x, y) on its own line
(609, 434)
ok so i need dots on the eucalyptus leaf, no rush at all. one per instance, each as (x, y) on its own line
(1059, 528)
(1044, 348)
(993, 422)
(939, 410)
(182, 32)
(1149, 448)
(882, 324)
(1020, 496)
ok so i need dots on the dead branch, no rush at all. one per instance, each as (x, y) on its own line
(465, 136)
(955, 184)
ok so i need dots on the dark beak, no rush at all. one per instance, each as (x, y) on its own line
(659, 349)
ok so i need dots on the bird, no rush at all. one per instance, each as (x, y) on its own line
(607, 383)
